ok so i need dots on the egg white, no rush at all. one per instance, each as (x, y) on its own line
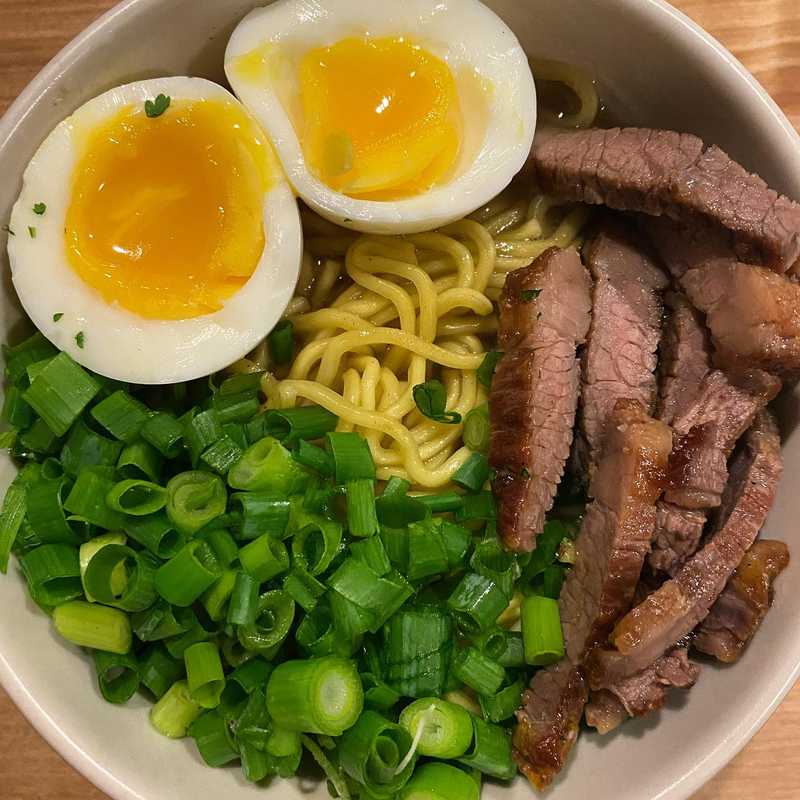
(117, 343)
(493, 79)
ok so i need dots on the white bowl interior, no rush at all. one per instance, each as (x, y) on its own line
(655, 68)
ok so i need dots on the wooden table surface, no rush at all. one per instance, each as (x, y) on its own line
(764, 34)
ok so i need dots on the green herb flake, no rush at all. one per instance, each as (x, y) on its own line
(525, 473)
(80, 339)
(32, 231)
(57, 316)
(39, 208)
(155, 108)
(431, 400)
(486, 370)
(526, 295)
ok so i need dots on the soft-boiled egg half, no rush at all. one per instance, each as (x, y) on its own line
(388, 117)
(156, 238)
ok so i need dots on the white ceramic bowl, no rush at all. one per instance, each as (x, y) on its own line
(656, 68)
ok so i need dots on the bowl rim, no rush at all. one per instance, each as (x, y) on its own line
(48, 727)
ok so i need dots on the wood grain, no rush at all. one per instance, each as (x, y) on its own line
(764, 34)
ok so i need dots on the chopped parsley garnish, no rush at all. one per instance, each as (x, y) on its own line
(526, 295)
(32, 231)
(524, 473)
(8, 230)
(431, 400)
(39, 208)
(486, 370)
(80, 339)
(155, 108)
(57, 316)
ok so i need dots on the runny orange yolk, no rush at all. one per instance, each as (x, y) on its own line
(381, 117)
(166, 213)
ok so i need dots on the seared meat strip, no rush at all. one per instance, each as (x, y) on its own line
(610, 550)
(673, 174)
(676, 608)
(753, 314)
(620, 356)
(684, 358)
(544, 316)
(548, 722)
(741, 608)
(709, 428)
(677, 536)
(642, 693)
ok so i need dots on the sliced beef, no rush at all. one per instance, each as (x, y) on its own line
(673, 174)
(620, 357)
(708, 430)
(682, 246)
(684, 358)
(544, 315)
(741, 608)
(548, 722)
(675, 609)
(610, 550)
(616, 531)
(753, 314)
(642, 693)
(677, 536)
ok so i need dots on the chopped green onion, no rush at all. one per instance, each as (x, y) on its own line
(183, 578)
(136, 591)
(316, 633)
(313, 457)
(240, 407)
(290, 425)
(53, 573)
(502, 704)
(435, 781)
(85, 448)
(427, 555)
(176, 710)
(39, 439)
(88, 499)
(334, 775)
(94, 626)
(274, 618)
(477, 429)
(547, 545)
(485, 371)
(431, 400)
(495, 563)
(264, 558)
(158, 670)
(60, 392)
(262, 513)
(351, 457)
(446, 728)
(243, 606)
(350, 623)
(140, 460)
(16, 412)
(11, 516)
(88, 550)
(541, 631)
(136, 498)
(268, 466)
(551, 581)
(164, 432)
(204, 675)
(281, 342)
(398, 510)
(162, 621)
(121, 415)
(117, 675)
(478, 671)
(222, 455)
(240, 684)
(224, 546)
(478, 506)
(156, 533)
(303, 588)
(361, 517)
(491, 751)
(378, 696)
(213, 738)
(45, 512)
(473, 473)
(178, 645)
(321, 695)
(194, 499)
(215, 599)
(457, 543)
(372, 552)
(200, 431)
(316, 543)
(476, 602)
(374, 753)
(34, 349)
(441, 503)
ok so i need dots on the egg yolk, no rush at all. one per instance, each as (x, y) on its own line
(166, 213)
(381, 117)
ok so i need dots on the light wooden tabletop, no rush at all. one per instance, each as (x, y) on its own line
(764, 34)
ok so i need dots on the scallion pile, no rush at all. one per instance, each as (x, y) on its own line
(245, 570)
